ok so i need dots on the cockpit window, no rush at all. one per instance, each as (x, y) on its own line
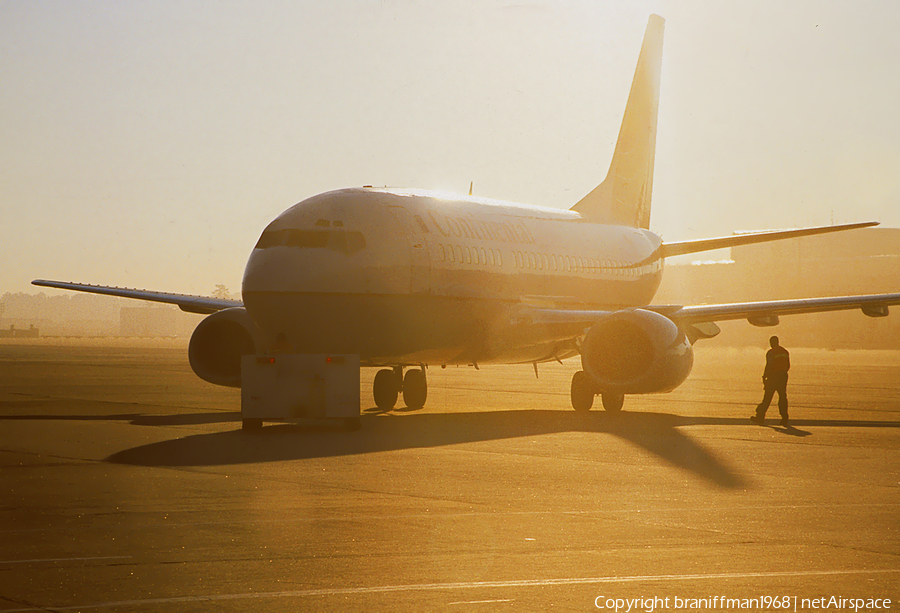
(307, 238)
(355, 242)
(271, 238)
(337, 240)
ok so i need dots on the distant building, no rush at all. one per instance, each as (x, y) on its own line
(14, 332)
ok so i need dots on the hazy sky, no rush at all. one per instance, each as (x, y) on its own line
(148, 143)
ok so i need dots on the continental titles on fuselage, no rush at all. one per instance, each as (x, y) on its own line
(462, 227)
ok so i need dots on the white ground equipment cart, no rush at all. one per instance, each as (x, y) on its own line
(289, 386)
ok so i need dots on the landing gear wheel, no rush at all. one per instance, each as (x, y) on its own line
(415, 388)
(582, 393)
(250, 424)
(613, 402)
(385, 389)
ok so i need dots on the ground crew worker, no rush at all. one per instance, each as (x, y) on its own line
(775, 378)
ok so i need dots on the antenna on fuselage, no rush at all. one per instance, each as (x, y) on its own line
(471, 185)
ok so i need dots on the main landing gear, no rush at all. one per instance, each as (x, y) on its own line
(583, 392)
(389, 382)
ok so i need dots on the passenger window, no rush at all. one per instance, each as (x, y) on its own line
(483, 255)
(468, 255)
(475, 258)
(499, 258)
(443, 255)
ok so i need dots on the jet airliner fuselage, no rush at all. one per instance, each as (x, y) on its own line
(410, 277)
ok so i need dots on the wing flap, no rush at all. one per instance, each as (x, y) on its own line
(186, 302)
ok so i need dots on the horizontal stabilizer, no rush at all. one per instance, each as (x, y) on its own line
(668, 250)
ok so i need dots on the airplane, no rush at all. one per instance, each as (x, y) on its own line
(409, 278)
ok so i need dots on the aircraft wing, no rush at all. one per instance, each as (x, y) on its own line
(766, 313)
(186, 302)
(699, 320)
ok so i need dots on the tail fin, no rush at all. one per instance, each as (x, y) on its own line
(624, 196)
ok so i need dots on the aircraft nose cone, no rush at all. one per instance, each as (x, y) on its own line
(263, 272)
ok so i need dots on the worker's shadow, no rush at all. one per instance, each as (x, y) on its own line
(653, 432)
(791, 431)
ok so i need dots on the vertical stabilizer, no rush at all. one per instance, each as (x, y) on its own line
(624, 196)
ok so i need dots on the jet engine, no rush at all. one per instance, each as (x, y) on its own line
(218, 343)
(636, 352)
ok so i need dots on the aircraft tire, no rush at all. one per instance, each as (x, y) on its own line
(251, 424)
(415, 388)
(384, 389)
(612, 403)
(582, 394)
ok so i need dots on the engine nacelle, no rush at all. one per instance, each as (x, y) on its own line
(636, 352)
(218, 343)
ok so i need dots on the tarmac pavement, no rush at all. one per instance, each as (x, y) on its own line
(127, 484)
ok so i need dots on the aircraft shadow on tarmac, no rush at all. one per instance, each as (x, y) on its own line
(654, 432)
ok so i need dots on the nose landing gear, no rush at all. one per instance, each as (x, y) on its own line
(385, 389)
(415, 388)
(389, 382)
